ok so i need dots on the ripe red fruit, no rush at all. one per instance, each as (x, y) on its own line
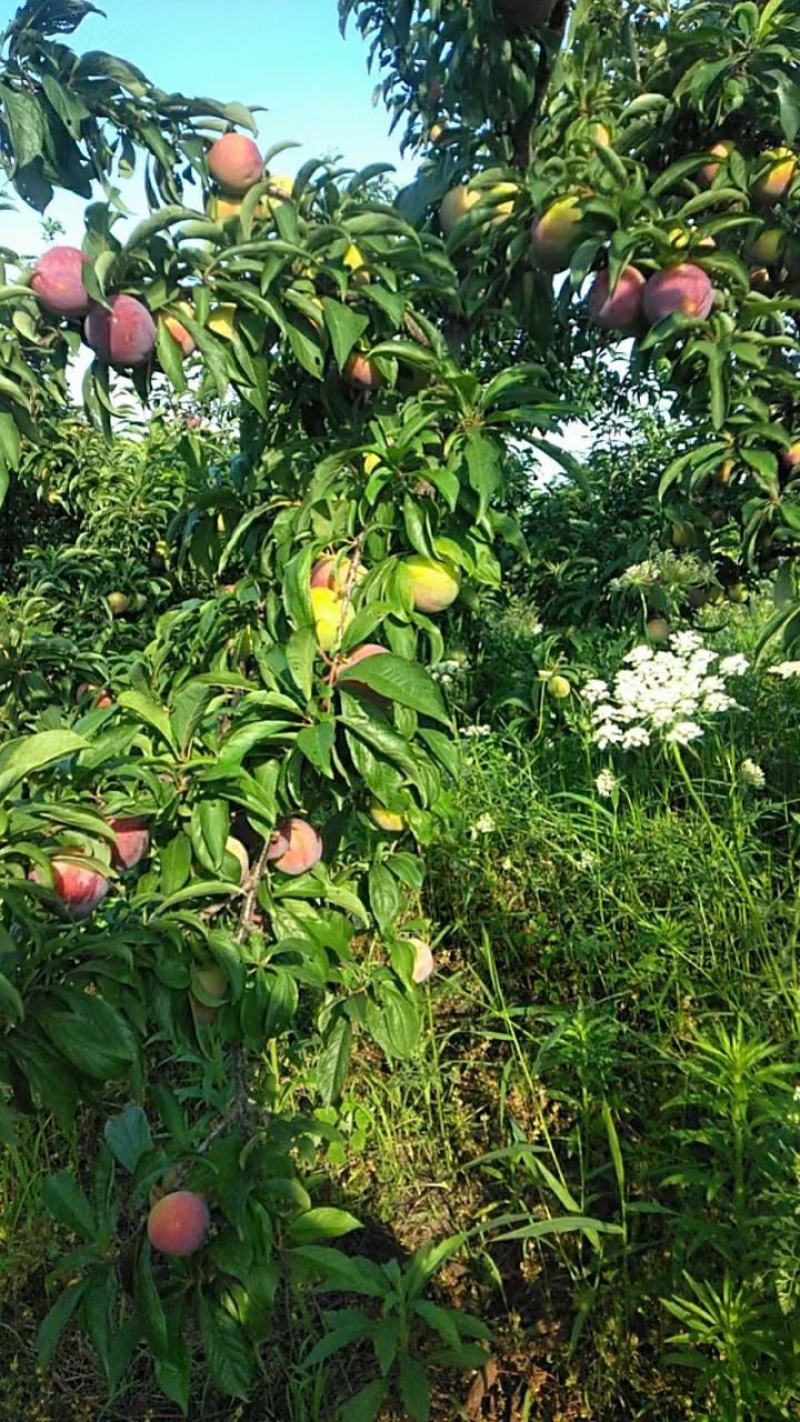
(235, 163)
(79, 889)
(178, 1223)
(303, 846)
(123, 336)
(362, 372)
(620, 309)
(58, 282)
(685, 288)
(132, 842)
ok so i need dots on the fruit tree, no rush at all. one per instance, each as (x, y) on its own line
(212, 854)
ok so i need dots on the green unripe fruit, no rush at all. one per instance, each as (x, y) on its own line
(558, 687)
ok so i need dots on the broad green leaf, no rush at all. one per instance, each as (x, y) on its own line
(324, 1222)
(398, 680)
(66, 1202)
(22, 757)
(228, 1357)
(56, 1320)
(128, 1136)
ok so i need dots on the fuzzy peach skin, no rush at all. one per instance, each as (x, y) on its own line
(303, 846)
(178, 1224)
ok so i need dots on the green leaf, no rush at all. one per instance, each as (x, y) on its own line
(11, 1004)
(149, 711)
(21, 757)
(26, 125)
(173, 1375)
(394, 1021)
(384, 895)
(357, 1326)
(344, 326)
(350, 1272)
(301, 651)
(334, 1060)
(366, 1404)
(399, 680)
(415, 1389)
(149, 1306)
(66, 1202)
(56, 1320)
(316, 743)
(93, 1036)
(128, 1137)
(230, 1364)
(324, 1222)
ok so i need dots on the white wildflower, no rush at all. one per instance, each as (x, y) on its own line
(737, 665)
(683, 732)
(607, 735)
(752, 774)
(639, 654)
(683, 644)
(587, 860)
(635, 738)
(476, 730)
(484, 824)
(785, 670)
(667, 693)
(595, 690)
(605, 784)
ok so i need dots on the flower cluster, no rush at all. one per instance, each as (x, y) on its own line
(446, 671)
(606, 784)
(665, 569)
(666, 694)
(476, 730)
(785, 670)
(751, 774)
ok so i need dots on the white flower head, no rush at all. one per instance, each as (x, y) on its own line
(606, 783)
(683, 732)
(595, 690)
(484, 824)
(751, 774)
(668, 694)
(685, 643)
(785, 670)
(736, 665)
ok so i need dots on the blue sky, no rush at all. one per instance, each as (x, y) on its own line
(286, 55)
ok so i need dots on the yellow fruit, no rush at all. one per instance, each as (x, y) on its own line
(455, 205)
(558, 687)
(502, 210)
(682, 535)
(355, 262)
(557, 234)
(118, 603)
(281, 188)
(386, 819)
(331, 617)
(435, 583)
(721, 152)
(776, 172)
(371, 463)
(219, 209)
(658, 629)
(222, 320)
